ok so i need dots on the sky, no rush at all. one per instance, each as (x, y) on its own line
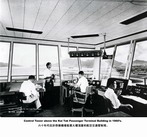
(4, 52)
(122, 53)
(141, 51)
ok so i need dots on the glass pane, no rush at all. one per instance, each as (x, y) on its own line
(23, 61)
(120, 61)
(48, 54)
(4, 58)
(69, 65)
(139, 66)
(87, 64)
(106, 64)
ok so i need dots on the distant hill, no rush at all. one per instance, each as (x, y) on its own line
(72, 62)
(117, 63)
(139, 63)
(2, 64)
(88, 63)
(135, 63)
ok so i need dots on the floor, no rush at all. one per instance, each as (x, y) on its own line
(56, 111)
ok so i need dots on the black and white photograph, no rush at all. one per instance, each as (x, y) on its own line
(73, 61)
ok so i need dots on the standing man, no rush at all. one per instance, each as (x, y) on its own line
(48, 74)
(30, 90)
(49, 84)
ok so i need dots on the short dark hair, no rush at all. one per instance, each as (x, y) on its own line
(31, 77)
(48, 63)
(81, 72)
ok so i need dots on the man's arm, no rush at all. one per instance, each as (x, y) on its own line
(126, 105)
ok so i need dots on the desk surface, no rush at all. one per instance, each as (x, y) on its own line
(115, 114)
(135, 98)
(7, 93)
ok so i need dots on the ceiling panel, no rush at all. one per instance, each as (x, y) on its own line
(30, 15)
(89, 10)
(117, 27)
(5, 17)
(16, 8)
(112, 21)
(100, 14)
(59, 19)
(61, 9)
(3, 32)
(47, 7)
(69, 17)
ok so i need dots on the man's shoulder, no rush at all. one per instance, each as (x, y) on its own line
(24, 82)
(109, 91)
(47, 71)
(27, 82)
(84, 78)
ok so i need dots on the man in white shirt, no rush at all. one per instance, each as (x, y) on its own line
(29, 89)
(48, 74)
(112, 94)
(82, 82)
(49, 84)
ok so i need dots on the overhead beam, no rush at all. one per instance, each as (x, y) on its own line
(44, 41)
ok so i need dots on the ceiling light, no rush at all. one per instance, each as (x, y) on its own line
(24, 30)
(85, 36)
(135, 18)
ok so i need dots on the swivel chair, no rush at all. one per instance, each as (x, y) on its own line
(79, 101)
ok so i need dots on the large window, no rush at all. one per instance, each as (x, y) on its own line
(69, 65)
(87, 63)
(23, 61)
(48, 54)
(120, 61)
(139, 66)
(4, 57)
(106, 64)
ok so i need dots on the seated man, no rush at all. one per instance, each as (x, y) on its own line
(79, 89)
(112, 94)
(81, 85)
(30, 90)
(82, 82)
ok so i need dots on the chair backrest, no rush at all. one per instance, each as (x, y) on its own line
(82, 97)
(108, 104)
(99, 104)
(89, 89)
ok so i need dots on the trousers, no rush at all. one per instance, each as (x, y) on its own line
(35, 99)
